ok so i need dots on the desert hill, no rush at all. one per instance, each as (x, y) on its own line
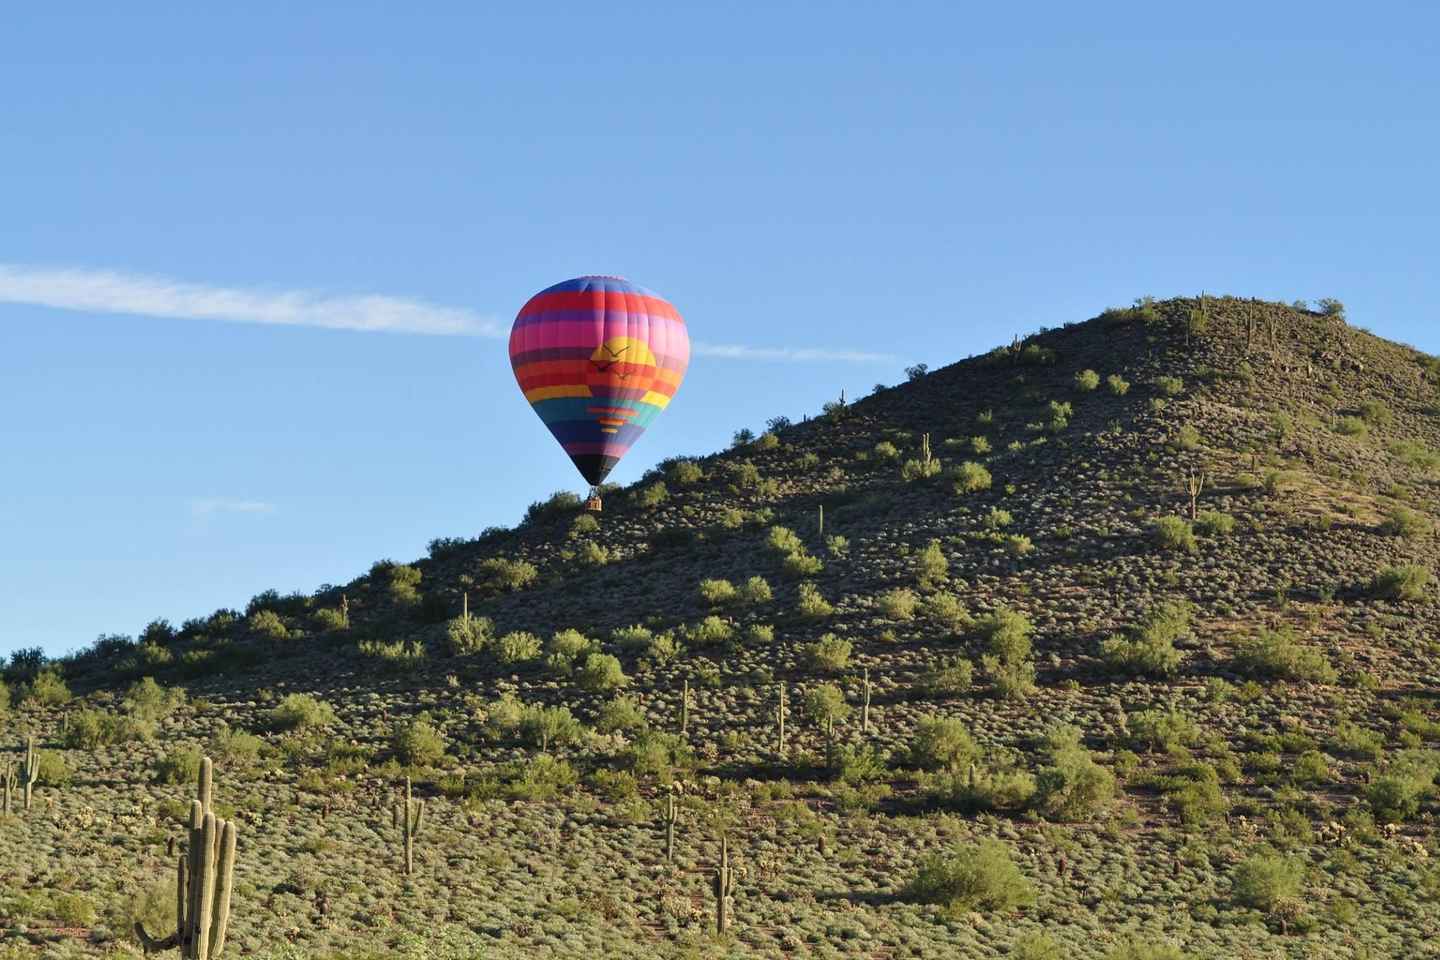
(1120, 637)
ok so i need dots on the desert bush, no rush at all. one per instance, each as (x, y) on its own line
(601, 672)
(949, 676)
(947, 612)
(684, 473)
(970, 477)
(1086, 381)
(713, 631)
(234, 746)
(560, 503)
(468, 635)
(898, 604)
(1173, 535)
(546, 727)
(942, 743)
(661, 755)
(825, 704)
(1395, 795)
(830, 653)
(1401, 521)
(1168, 386)
(178, 765)
(1117, 385)
(1263, 880)
(517, 646)
(1162, 729)
(980, 877)
(1212, 523)
(300, 711)
(652, 495)
(506, 576)
(620, 715)
(931, 565)
(799, 565)
(1351, 739)
(1376, 413)
(1279, 655)
(812, 605)
(1404, 582)
(1150, 646)
(584, 525)
(329, 618)
(1008, 664)
(755, 591)
(885, 450)
(416, 743)
(1072, 786)
(149, 702)
(566, 648)
(717, 591)
(267, 623)
(980, 446)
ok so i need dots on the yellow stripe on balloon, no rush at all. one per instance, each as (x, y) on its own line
(655, 399)
(563, 390)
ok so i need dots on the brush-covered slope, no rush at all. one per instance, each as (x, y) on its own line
(1144, 599)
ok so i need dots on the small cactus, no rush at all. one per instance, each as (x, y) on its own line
(204, 881)
(865, 704)
(30, 770)
(409, 816)
(670, 817)
(723, 885)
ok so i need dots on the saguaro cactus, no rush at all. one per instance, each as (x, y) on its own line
(204, 880)
(30, 770)
(685, 708)
(7, 785)
(671, 816)
(409, 817)
(723, 885)
(780, 712)
(865, 705)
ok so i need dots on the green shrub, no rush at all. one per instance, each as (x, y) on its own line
(517, 647)
(683, 473)
(506, 576)
(1169, 386)
(931, 565)
(998, 519)
(417, 743)
(1212, 523)
(1404, 582)
(540, 779)
(235, 746)
(601, 672)
(567, 648)
(1073, 786)
(1376, 412)
(885, 450)
(830, 653)
(913, 470)
(179, 765)
(949, 676)
(1145, 950)
(979, 877)
(620, 715)
(1402, 522)
(267, 624)
(1173, 535)
(403, 582)
(300, 711)
(1162, 729)
(1263, 880)
(799, 565)
(1395, 796)
(1351, 427)
(468, 635)
(652, 495)
(149, 702)
(1086, 381)
(971, 477)
(710, 632)
(546, 727)
(584, 525)
(980, 446)
(942, 743)
(947, 612)
(660, 755)
(1117, 385)
(1278, 654)
(1149, 649)
(716, 592)
(825, 705)
(327, 619)
(1352, 739)
(812, 605)
(898, 604)
(1008, 664)
(634, 639)
(755, 591)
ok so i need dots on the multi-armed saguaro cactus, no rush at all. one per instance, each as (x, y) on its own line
(723, 885)
(409, 816)
(671, 816)
(30, 770)
(204, 879)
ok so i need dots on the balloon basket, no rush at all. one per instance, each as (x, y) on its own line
(593, 503)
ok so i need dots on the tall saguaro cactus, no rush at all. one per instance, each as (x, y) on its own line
(30, 770)
(670, 817)
(7, 785)
(780, 711)
(204, 880)
(865, 704)
(723, 885)
(409, 816)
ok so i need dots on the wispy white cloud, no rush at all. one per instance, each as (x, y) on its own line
(726, 351)
(105, 291)
(209, 506)
(108, 291)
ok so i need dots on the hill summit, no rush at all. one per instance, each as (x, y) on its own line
(1119, 637)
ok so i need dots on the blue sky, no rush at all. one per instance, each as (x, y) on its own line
(792, 176)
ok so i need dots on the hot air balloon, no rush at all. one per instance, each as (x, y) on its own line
(598, 358)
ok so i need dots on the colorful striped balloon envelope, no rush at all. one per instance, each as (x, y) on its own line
(598, 358)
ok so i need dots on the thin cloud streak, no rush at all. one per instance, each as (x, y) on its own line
(108, 291)
(105, 291)
(209, 506)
